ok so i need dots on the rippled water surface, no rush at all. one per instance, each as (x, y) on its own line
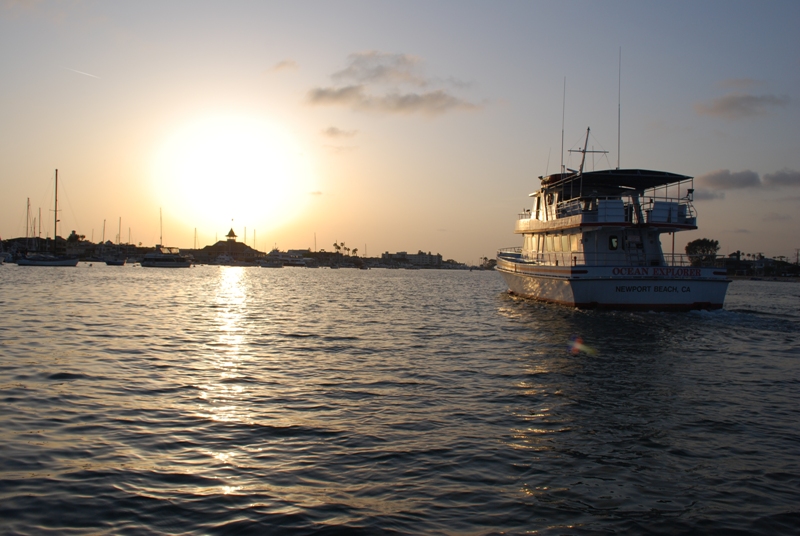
(222, 400)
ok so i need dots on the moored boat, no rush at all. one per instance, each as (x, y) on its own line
(49, 259)
(593, 240)
(166, 257)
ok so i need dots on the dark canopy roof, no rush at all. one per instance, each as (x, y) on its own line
(611, 182)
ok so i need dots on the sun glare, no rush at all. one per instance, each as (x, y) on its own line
(231, 168)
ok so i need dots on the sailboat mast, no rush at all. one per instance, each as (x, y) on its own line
(55, 223)
(119, 233)
(160, 228)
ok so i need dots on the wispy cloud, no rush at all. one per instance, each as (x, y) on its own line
(740, 83)
(338, 149)
(380, 82)
(81, 72)
(724, 179)
(429, 103)
(774, 216)
(316, 193)
(713, 185)
(382, 68)
(784, 177)
(335, 132)
(740, 105)
(701, 194)
(283, 65)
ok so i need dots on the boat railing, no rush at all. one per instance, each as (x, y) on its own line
(580, 258)
(654, 209)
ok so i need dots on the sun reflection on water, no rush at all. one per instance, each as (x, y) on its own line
(222, 395)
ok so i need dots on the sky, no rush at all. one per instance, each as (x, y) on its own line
(389, 126)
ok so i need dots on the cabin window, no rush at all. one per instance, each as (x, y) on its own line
(549, 243)
(613, 242)
(537, 206)
(565, 243)
(574, 240)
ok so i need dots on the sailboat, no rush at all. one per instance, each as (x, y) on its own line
(48, 259)
(117, 259)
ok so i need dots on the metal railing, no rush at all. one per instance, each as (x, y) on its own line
(623, 258)
(654, 209)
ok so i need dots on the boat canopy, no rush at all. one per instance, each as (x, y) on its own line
(610, 182)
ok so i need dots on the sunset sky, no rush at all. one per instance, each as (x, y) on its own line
(390, 126)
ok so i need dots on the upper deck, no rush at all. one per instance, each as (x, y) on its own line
(612, 198)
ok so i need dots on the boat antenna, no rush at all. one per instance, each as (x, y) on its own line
(563, 105)
(547, 168)
(619, 104)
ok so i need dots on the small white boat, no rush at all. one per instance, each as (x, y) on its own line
(593, 240)
(270, 263)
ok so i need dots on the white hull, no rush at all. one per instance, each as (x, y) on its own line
(619, 287)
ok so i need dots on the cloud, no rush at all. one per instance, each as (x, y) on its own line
(81, 72)
(341, 148)
(284, 65)
(740, 105)
(430, 103)
(774, 216)
(707, 195)
(724, 179)
(316, 193)
(740, 83)
(380, 82)
(382, 68)
(334, 132)
(784, 177)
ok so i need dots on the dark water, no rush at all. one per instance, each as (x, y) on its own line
(256, 401)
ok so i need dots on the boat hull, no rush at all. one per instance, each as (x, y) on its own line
(165, 264)
(47, 262)
(611, 288)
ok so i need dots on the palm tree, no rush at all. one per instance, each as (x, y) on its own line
(355, 252)
(336, 247)
(347, 250)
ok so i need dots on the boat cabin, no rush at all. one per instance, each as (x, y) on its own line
(605, 217)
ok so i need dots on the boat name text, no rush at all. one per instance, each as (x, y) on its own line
(658, 271)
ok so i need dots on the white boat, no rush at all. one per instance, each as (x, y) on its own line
(48, 259)
(270, 263)
(166, 257)
(593, 240)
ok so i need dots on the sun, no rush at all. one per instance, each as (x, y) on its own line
(224, 168)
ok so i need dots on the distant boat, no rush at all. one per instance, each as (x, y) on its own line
(49, 259)
(166, 257)
(117, 259)
(270, 263)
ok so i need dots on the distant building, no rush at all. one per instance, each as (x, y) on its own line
(227, 250)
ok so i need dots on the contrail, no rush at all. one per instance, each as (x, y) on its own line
(81, 72)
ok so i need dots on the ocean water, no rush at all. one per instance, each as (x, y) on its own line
(223, 400)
